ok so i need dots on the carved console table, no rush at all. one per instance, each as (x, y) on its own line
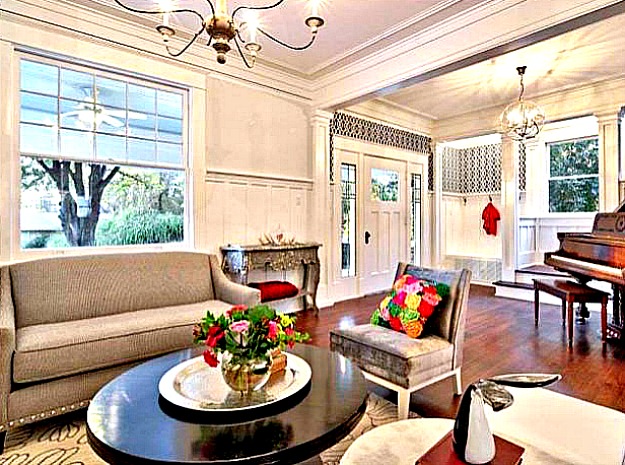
(239, 260)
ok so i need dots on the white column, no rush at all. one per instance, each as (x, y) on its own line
(9, 164)
(608, 160)
(437, 223)
(536, 188)
(321, 224)
(510, 207)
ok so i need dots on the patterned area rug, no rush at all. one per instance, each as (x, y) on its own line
(63, 441)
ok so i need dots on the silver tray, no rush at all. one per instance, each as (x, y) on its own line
(195, 385)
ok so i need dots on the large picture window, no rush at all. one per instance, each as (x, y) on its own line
(574, 175)
(103, 158)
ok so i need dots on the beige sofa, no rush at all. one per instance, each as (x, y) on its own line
(68, 325)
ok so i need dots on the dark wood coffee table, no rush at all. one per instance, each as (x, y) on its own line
(128, 422)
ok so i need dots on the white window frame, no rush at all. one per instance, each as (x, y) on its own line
(562, 178)
(127, 64)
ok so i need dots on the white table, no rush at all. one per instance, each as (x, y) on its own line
(554, 429)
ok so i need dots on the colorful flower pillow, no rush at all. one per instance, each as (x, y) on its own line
(409, 304)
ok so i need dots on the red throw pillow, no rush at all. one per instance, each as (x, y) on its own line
(274, 290)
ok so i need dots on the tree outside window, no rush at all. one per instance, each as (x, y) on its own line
(102, 158)
(574, 175)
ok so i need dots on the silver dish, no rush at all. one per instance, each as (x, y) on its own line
(195, 385)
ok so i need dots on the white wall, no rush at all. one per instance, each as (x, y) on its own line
(250, 144)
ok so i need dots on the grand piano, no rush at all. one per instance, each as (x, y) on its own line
(597, 255)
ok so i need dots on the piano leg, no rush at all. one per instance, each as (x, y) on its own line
(615, 328)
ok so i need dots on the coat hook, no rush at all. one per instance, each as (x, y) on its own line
(464, 200)
(490, 198)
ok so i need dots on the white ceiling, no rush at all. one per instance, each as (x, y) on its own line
(357, 28)
(589, 54)
(351, 26)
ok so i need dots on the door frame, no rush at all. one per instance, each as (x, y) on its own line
(347, 150)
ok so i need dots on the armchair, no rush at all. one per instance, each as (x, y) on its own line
(402, 364)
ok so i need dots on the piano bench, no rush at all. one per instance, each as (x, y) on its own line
(572, 292)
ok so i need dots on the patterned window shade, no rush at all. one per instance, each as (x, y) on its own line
(347, 125)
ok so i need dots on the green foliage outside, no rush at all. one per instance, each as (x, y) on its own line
(385, 191)
(140, 227)
(574, 169)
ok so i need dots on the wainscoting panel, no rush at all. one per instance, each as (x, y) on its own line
(240, 208)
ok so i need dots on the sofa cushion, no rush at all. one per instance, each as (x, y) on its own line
(76, 288)
(393, 356)
(53, 350)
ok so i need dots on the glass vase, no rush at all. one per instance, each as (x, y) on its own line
(243, 374)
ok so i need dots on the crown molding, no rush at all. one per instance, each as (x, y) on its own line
(389, 33)
(127, 34)
(474, 35)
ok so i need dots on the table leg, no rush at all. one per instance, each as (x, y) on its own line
(536, 305)
(563, 312)
(604, 320)
(570, 321)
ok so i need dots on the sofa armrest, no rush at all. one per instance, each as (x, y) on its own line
(233, 293)
(7, 342)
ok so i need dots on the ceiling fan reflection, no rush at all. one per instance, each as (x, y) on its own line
(90, 114)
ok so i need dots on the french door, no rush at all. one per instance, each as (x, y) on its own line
(383, 232)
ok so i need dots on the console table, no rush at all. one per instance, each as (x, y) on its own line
(239, 260)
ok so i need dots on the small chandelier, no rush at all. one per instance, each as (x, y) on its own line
(522, 119)
(223, 28)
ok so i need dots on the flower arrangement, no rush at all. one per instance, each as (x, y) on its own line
(409, 304)
(246, 333)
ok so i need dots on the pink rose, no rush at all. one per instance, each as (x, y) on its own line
(273, 330)
(210, 358)
(384, 313)
(240, 326)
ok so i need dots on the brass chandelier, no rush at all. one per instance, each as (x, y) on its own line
(522, 119)
(223, 28)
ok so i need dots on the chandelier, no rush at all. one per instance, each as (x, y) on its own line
(224, 29)
(522, 119)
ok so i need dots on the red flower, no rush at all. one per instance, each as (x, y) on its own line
(289, 331)
(395, 323)
(426, 309)
(214, 334)
(273, 330)
(236, 309)
(210, 358)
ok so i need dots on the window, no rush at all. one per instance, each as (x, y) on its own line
(384, 185)
(574, 175)
(348, 220)
(415, 219)
(103, 158)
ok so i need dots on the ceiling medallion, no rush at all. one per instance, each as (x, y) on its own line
(522, 119)
(224, 29)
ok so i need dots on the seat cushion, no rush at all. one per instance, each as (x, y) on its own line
(274, 290)
(393, 356)
(53, 350)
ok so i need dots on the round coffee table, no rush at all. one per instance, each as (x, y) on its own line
(128, 422)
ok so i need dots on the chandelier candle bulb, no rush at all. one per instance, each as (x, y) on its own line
(221, 7)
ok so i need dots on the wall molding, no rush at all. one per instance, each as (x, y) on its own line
(224, 175)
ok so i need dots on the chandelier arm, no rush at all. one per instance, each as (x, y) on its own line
(266, 7)
(212, 7)
(152, 12)
(284, 44)
(236, 42)
(186, 47)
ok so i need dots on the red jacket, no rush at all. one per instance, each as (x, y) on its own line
(490, 215)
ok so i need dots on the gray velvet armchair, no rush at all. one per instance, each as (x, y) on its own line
(398, 362)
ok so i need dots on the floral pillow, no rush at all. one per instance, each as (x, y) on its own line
(409, 304)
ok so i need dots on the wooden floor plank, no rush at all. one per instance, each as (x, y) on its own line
(501, 338)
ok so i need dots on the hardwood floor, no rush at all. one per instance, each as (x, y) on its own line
(501, 338)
